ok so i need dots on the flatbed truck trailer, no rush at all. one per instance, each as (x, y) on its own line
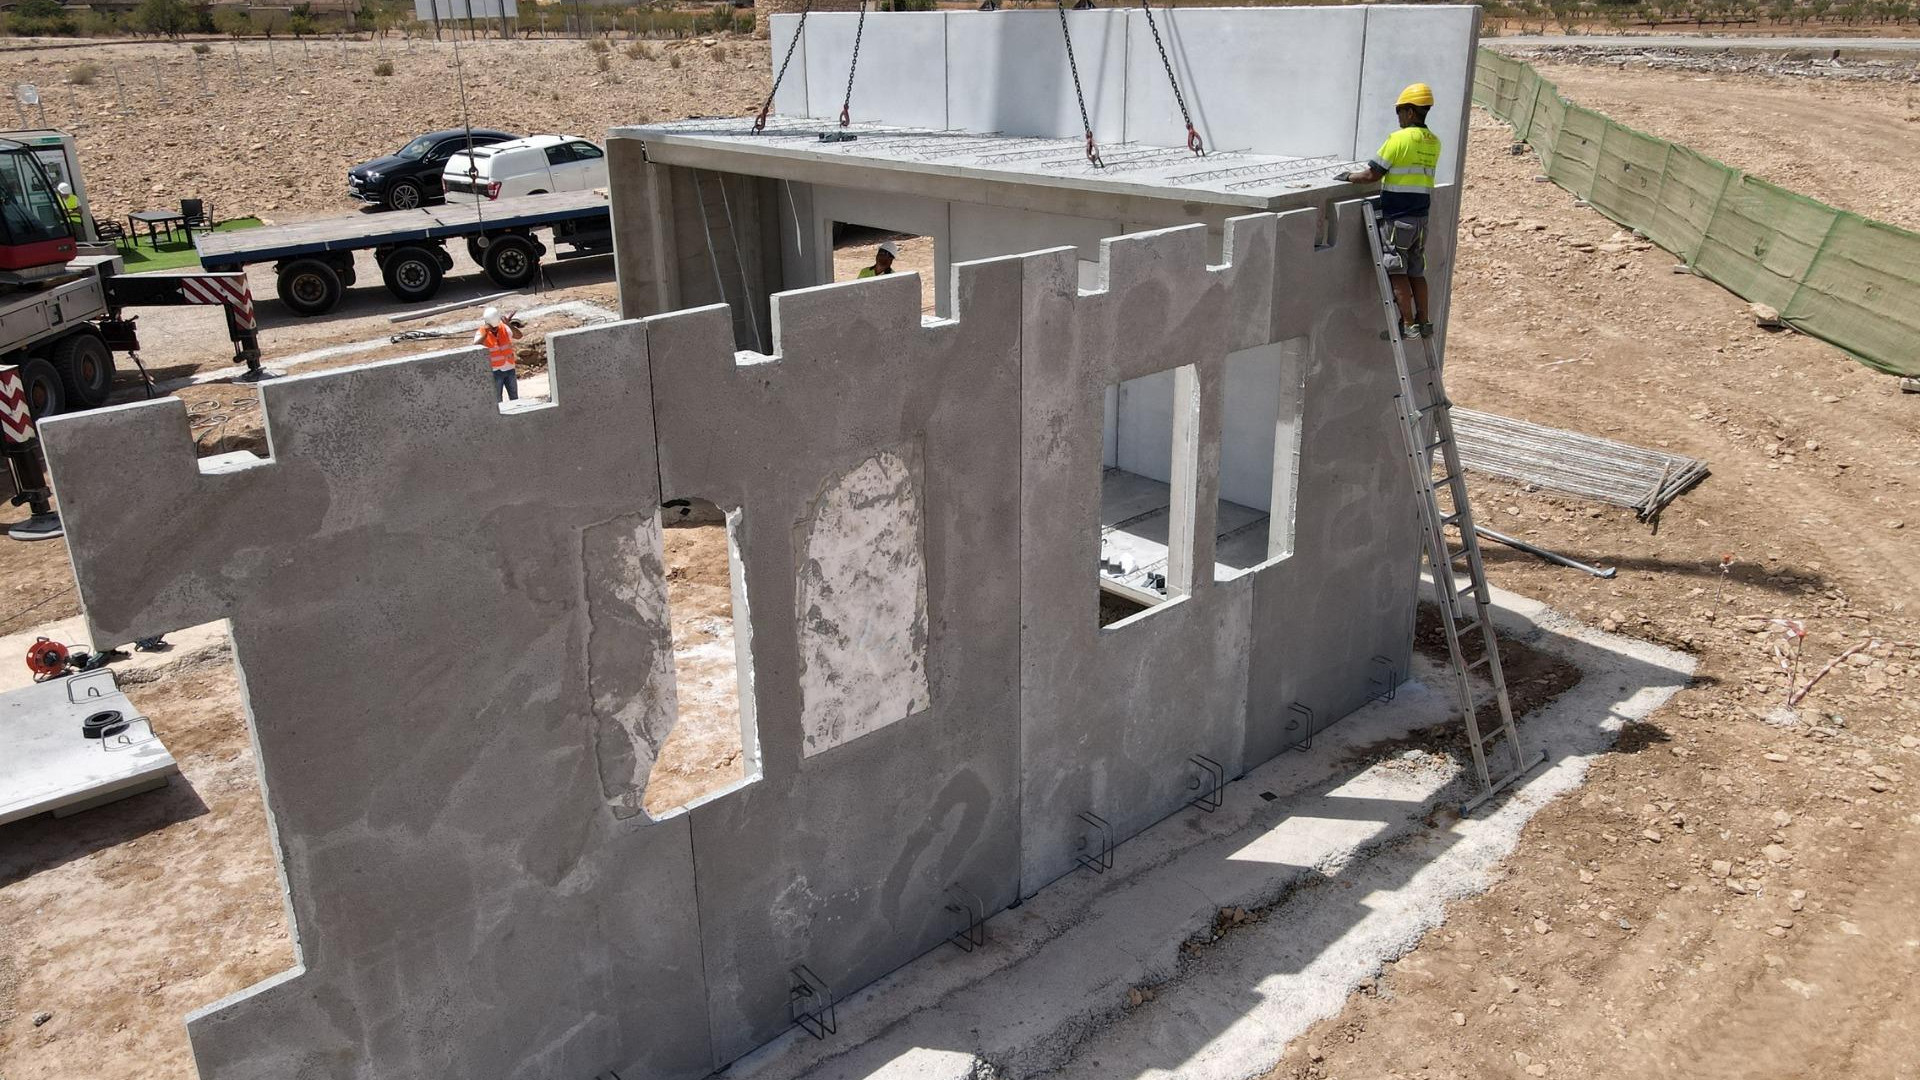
(313, 260)
(63, 329)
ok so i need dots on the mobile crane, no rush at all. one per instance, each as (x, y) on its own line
(64, 302)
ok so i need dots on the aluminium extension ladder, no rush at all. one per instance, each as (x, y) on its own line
(1459, 577)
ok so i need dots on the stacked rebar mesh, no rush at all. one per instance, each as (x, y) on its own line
(1568, 462)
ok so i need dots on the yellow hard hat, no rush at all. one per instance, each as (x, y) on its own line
(1418, 94)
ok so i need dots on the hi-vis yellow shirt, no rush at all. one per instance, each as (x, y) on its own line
(1410, 158)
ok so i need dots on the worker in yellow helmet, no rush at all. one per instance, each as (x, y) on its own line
(1405, 166)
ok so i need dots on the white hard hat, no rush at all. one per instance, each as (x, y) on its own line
(64, 188)
(492, 316)
(889, 250)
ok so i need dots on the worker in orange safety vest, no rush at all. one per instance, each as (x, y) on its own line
(498, 333)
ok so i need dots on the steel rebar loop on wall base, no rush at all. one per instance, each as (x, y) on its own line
(1210, 780)
(810, 1003)
(963, 903)
(1300, 718)
(1099, 860)
(1382, 679)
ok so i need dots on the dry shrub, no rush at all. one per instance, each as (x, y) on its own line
(201, 48)
(640, 50)
(674, 61)
(719, 54)
(598, 45)
(83, 73)
(383, 67)
(602, 62)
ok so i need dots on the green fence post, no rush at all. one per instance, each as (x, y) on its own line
(1693, 260)
(1599, 157)
(1518, 132)
(1812, 264)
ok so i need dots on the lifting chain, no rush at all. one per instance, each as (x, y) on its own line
(846, 105)
(800, 31)
(1194, 143)
(1093, 151)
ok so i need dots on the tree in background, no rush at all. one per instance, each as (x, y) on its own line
(39, 18)
(169, 18)
(300, 20)
(233, 21)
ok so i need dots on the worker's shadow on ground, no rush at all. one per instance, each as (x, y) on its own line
(1350, 904)
(40, 843)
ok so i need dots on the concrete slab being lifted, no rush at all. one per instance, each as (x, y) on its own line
(989, 167)
(49, 765)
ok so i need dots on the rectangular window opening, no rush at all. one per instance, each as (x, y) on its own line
(1147, 465)
(1263, 397)
(856, 250)
(712, 747)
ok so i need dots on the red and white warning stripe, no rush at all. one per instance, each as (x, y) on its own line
(228, 289)
(16, 424)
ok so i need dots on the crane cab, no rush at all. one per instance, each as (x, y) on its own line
(36, 236)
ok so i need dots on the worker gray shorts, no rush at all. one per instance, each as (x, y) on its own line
(1404, 240)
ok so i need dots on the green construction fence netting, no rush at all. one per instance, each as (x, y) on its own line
(1845, 279)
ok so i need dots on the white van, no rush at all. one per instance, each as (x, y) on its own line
(531, 166)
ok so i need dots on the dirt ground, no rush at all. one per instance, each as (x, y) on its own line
(275, 135)
(1728, 895)
(1847, 144)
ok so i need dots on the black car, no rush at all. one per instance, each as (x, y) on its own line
(411, 177)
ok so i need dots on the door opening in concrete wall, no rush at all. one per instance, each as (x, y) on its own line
(1147, 464)
(858, 249)
(1263, 395)
(711, 747)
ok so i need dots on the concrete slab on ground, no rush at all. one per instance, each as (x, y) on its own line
(48, 765)
(1353, 851)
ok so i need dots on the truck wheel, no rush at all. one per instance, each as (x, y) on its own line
(413, 274)
(45, 396)
(309, 286)
(85, 366)
(403, 195)
(511, 261)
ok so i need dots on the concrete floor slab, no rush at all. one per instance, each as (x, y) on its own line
(1354, 859)
(49, 766)
(1240, 179)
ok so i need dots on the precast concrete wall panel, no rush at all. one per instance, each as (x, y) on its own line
(842, 859)
(405, 578)
(1272, 80)
(450, 615)
(1321, 615)
(1007, 72)
(901, 76)
(790, 97)
(1112, 715)
(1433, 45)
